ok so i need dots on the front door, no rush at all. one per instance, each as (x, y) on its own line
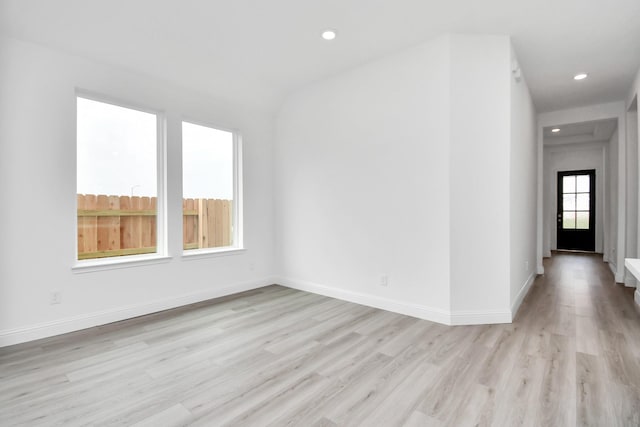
(576, 210)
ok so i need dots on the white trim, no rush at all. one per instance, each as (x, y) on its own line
(238, 191)
(162, 248)
(540, 249)
(237, 202)
(409, 309)
(433, 314)
(606, 227)
(637, 297)
(479, 317)
(515, 306)
(162, 217)
(111, 263)
(622, 191)
(88, 320)
(211, 252)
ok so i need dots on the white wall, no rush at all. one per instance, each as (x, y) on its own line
(402, 167)
(480, 173)
(362, 182)
(523, 189)
(566, 158)
(368, 168)
(37, 172)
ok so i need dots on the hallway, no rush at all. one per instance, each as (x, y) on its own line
(587, 330)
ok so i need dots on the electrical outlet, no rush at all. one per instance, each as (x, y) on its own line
(55, 297)
(384, 280)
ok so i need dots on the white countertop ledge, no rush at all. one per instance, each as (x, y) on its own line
(633, 265)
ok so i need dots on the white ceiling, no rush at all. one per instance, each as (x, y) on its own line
(259, 51)
(575, 133)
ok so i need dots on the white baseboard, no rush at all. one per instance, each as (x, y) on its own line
(89, 320)
(613, 268)
(515, 306)
(479, 317)
(636, 295)
(540, 269)
(630, 281)
(415, 310)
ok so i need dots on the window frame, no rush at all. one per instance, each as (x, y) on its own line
(237, 207)
(162, 254)
(576, 211)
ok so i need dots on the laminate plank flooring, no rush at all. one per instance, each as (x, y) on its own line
(282, 357)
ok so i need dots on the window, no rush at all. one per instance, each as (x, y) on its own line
(117, 180)
(209, 189)
(575, 202)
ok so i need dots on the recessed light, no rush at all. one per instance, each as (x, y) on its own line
(580, 76)
(555, 130)
(329, 34)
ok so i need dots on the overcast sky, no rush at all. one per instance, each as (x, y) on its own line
(117, 154)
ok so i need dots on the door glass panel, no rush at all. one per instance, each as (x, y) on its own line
(569, 184)
(575, 218)
(569, 202)
(569, 220)
(582, 183)
(582, 202)
(582, 220)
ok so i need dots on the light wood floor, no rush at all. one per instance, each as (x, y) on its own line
(283, 357)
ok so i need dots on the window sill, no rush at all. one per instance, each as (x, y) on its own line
(211, 253)
(89, 266)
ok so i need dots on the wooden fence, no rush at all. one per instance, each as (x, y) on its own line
(122, 225)
(207, 223)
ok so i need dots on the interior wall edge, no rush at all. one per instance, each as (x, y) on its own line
(524, 290)
(613, 267)
(433, 314)
(420, 311)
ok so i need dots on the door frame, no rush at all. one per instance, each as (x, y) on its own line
(593, 214)
(603, 226)
(613, 110)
